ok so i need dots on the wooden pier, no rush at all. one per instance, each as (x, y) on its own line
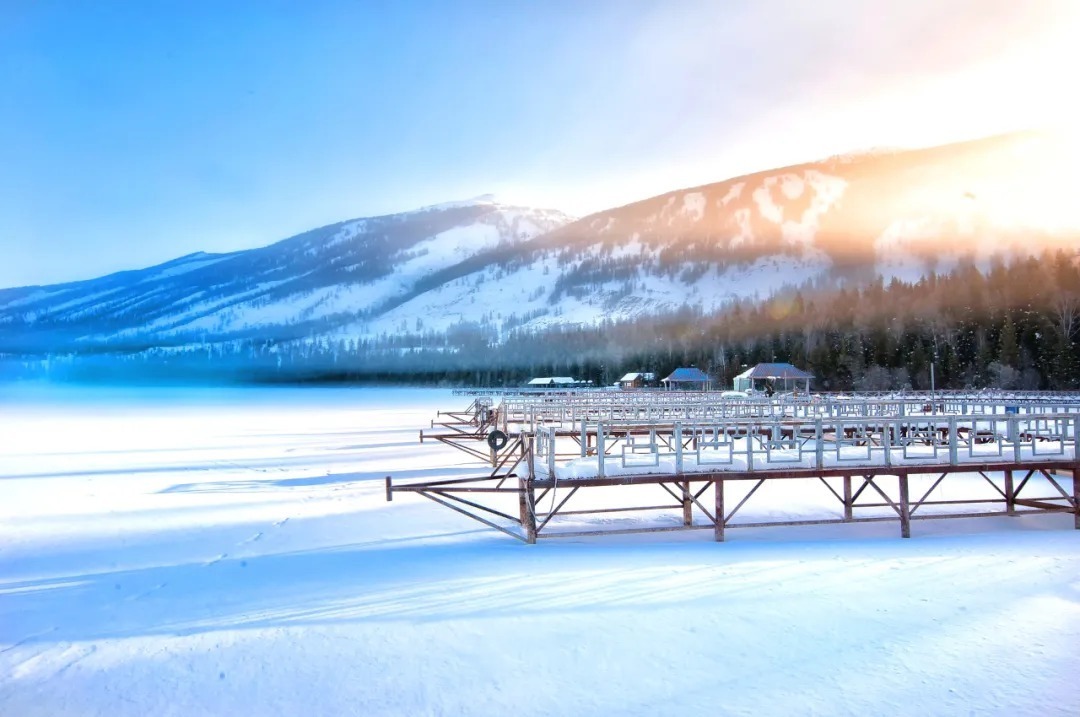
(697, 465)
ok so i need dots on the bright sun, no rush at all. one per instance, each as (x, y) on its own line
(1045, 190)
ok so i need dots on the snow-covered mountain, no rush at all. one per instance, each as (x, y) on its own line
(894, 214)
(897, 214)
(298, 287)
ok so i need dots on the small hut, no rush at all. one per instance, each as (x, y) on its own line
(687, 379)
(636, 380)
(775, 376)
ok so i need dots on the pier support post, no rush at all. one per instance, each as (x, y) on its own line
(905, 510)
(1010, 493)
(1076, 494)
(718, 484)
(527, 509)
(687, 504)
(848, 503)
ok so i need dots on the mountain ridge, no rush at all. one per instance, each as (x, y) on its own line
(894, 214)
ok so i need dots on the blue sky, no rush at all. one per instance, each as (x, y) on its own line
(134, 132)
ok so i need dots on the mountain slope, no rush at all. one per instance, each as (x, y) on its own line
(891, 214)
(316, 279)
(848, 218)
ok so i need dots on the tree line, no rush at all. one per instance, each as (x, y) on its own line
(1013, 325)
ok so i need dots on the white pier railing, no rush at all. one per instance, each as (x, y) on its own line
(616, 448)
(533, 412)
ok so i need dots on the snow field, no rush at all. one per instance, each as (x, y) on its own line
(230, 552)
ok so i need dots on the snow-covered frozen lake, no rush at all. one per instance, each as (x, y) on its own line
(230, 552)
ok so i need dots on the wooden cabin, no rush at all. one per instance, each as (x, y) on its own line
(636, 380)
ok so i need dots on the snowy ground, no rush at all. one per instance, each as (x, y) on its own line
(230, 552)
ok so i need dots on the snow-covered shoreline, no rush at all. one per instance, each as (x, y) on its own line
(230, 552)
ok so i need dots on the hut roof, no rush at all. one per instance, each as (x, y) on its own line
(687, 375)
(637, 374)
(775, 370)
(552, 380)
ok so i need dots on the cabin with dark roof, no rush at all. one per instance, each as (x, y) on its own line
(773, 377)
(636, 380)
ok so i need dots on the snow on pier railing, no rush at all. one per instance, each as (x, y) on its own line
(628, 449)
(655, 407)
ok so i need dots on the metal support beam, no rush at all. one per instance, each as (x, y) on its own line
(719, 518)
(830, 488)
(848, 501)
(915, 506)
(905, 513)
(527, 506)
(464, 512)
(555, 509)
(1076, 493)
(687, 504)
(1044, 505)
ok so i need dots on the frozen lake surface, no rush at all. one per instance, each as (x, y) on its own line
(230, 552)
